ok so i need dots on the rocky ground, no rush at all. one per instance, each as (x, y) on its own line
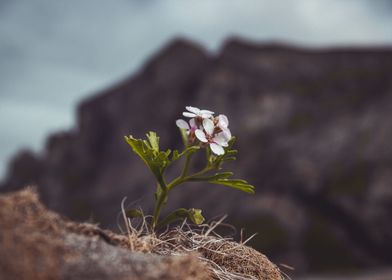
(39, 244)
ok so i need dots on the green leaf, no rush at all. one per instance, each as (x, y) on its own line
(231, 143)
(217, 176)
(238, 184)
(223, 178)
(134, 213)
(149, 152)
(154, 141)
(175, 155)
(193, 214)
(230, 158)
(231, 152)
(187, 151)
(217, 161)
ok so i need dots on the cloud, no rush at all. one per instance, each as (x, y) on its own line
(54, 53)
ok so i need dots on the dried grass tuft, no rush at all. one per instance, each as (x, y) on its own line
(224, 258)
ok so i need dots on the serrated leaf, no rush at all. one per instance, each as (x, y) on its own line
(153, 140)
(175, 155)
(149, 152)
(168, 152)
(193, 214)
(134, 213)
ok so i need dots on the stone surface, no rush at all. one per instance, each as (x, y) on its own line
(38, 244)
(313, 133)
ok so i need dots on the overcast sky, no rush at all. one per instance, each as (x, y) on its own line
(55, 53)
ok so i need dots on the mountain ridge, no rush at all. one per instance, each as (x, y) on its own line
(310, 127)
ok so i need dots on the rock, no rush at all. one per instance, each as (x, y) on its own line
(38, 244)
(312, 133)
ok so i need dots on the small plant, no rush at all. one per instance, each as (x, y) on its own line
(203, 131)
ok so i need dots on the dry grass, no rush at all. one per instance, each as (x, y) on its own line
(224, 258)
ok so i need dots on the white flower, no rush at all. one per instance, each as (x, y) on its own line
(191, 127)
(196, 112)
(227, 134)
(223, 124)
(216, 141)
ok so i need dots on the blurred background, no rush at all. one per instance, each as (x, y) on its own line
(307, 86)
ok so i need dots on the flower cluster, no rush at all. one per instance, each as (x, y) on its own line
(209, 130)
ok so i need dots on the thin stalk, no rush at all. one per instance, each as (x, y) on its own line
(186, 167)
(201, 172)
(175, 182)
(181, 179)
(158, 206)
(165, 189)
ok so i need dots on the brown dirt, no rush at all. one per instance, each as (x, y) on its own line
(36, 243)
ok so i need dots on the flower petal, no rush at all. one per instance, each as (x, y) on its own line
(182, 124)
(216, 149)
(192, 123)
(226, 133)
(208, 112)
(201, 136)
(194, 110)
(206, 116)
(208, 126)
(189, 115)
(221, 140)
(223, 121)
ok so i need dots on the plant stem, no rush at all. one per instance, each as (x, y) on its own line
(158, 206)
(182, 178)
(201, 172)
(186, 167)
(162, 196)
(165, 189)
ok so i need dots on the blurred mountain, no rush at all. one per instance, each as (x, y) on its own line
(314, 134)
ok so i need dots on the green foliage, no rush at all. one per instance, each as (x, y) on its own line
(187, 152)
(157, 161)
(238, 184)
(229, 155)
(148, 151)
(192, 214)
(134, 213)
(223, 178)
